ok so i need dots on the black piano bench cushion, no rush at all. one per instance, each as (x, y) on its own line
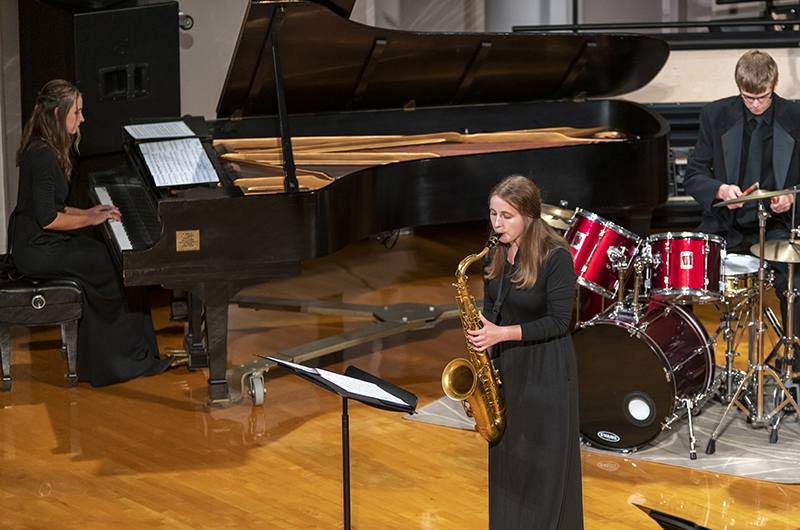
(26, 302)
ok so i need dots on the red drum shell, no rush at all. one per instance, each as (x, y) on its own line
(590, 236)
(632, 375)
(688, 267)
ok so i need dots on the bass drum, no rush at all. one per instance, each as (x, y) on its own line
(632, 375)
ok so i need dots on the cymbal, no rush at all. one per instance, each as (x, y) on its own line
(758, 194)
(558, 218)
(779, 250)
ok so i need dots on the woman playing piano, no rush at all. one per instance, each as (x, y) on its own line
(529, 288)
(116, 339)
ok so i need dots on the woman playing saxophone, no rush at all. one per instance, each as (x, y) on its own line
(529, 288)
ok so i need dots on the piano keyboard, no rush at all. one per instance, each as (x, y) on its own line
(140, 226)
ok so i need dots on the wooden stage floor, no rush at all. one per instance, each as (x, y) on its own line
(151, 453)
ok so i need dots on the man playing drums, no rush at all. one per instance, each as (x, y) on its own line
(750, 138)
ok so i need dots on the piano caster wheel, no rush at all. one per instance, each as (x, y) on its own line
(257, 391)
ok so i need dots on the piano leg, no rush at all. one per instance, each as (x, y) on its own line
(216, 300)
(193, 339)
(208, 304)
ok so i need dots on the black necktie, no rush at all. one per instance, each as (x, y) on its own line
(752, 172)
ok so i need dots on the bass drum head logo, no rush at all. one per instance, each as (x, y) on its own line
(607, 436)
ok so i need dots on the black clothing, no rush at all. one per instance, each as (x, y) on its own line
(535, 466)
(718, 158)
(116, 339)
(761, 172)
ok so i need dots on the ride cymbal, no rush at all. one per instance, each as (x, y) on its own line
(758, 194)
(558, 218)
(781, 251)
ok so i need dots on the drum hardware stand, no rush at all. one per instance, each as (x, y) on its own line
(690, 404)
(617, 257)
(788, 357)
(773, 320)
(759, 368)
(730, 352)
(692, 439)
(742, 311)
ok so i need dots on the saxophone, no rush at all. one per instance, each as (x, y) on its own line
(473, 381)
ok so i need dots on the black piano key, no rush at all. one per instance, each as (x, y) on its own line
(140, 221)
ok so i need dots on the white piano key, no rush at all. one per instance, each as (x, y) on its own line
(123, 241)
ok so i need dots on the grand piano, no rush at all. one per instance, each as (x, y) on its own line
(303, 77)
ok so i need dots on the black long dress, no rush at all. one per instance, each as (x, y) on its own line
(535, 466)
(116, 339)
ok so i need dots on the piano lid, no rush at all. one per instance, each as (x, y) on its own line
(331, 64)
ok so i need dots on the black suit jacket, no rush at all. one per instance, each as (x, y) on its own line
(717, 157)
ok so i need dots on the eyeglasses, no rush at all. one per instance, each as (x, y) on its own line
(754, 99)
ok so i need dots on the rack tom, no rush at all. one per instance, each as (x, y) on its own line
(686, 268)
(590, 238)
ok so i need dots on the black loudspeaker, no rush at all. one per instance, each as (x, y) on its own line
(123, 59)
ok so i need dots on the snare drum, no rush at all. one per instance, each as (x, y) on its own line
(590, 238)
(740, 274)
(687, 267)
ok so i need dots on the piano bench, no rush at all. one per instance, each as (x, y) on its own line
(27, 302)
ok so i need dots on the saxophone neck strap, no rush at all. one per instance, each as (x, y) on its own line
(505, 286)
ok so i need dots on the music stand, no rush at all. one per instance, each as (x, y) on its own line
(360, 386)
(670, 522)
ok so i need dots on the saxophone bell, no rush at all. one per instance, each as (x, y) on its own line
(459, 379)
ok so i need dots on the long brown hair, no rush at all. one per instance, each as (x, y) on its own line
(538, 239)
(51, 126)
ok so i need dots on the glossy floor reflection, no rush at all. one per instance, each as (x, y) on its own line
(151, 453)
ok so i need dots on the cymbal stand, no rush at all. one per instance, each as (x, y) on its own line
(735, 317)
(789, 341)
(758, 369)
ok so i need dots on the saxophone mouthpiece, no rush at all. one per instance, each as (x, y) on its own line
(492, 241)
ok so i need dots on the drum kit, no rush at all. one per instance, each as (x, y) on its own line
(646, 361)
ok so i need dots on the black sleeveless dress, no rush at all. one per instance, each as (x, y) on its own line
(535, 466)
(116, 339)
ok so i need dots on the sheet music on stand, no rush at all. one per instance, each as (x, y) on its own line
(355, 388)
(177, 157)
(358, 385)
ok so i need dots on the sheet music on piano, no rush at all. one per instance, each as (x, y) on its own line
(152, 131)
(173, 154)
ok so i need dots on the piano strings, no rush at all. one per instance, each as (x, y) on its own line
(258, 162)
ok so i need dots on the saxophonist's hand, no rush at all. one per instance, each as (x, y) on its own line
(491, 334)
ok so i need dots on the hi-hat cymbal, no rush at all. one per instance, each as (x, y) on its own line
(758, 194)
(779, 250)
(558, 218)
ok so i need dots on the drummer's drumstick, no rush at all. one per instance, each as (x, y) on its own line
(750, 190)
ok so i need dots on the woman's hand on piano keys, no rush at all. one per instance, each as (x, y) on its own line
(74, 218)
(102, 213)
